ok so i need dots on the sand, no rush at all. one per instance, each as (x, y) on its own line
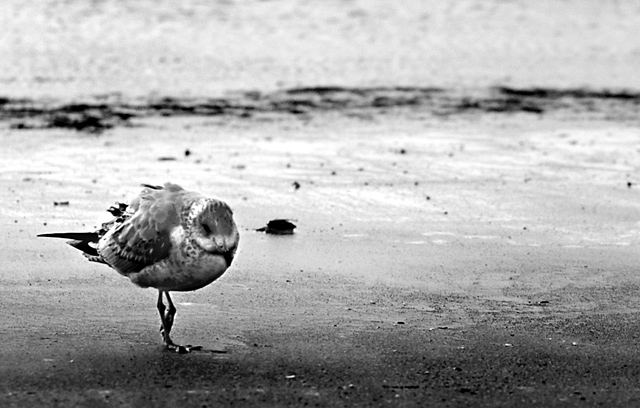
(457, 244)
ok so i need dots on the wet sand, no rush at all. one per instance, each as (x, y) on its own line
(455, 246)
(445, 262)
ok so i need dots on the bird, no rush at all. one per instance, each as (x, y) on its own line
(167, 238)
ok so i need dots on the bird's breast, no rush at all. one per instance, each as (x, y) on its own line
(188, 267)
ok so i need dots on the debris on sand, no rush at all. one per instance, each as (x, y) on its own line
(60, 203)
(540, 303)
(401, 386)
(278, 227)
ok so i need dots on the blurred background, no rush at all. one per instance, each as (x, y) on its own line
(65, 49)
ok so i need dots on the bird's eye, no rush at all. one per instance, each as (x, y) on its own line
(206, 228)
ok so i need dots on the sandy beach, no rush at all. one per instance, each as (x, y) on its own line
(464, 181)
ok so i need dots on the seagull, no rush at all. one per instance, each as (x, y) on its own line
(169, 239)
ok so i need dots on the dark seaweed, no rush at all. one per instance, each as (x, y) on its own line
(97, 117)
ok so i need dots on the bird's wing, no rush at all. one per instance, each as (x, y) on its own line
(145, 237)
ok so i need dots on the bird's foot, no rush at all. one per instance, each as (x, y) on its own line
(176, 347)
(183, 349)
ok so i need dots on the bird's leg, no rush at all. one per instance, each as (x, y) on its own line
(165, 327)
(166, 317)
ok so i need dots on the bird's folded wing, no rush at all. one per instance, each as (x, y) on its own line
(145, 238)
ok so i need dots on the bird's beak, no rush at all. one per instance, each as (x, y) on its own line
(228, 257)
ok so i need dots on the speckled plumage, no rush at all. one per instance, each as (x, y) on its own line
(168, 238)
(157, 244)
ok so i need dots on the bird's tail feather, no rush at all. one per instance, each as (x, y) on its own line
(79, 240)
(84, 246)
(76, 236)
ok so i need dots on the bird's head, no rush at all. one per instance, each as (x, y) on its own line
(212, 227)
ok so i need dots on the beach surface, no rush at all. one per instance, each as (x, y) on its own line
(464, 181)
